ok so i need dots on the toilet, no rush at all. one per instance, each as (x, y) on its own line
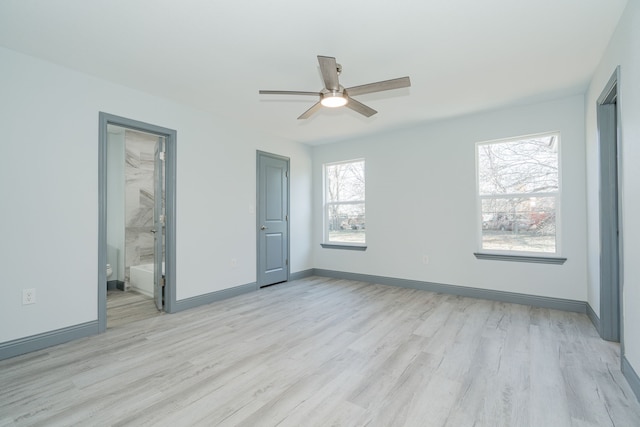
(109, 270)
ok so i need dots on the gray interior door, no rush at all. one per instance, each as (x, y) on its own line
(272, 219)
(609, 226)
(158, 224)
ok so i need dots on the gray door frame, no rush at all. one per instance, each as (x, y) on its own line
(260, 280)
(611, 265)
(170, 135)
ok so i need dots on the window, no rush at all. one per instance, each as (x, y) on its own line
(518, 191)
(344, 205)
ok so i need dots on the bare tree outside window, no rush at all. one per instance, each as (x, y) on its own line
(518, 186)
(344, 202)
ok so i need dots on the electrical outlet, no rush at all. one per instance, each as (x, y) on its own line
(28, 296)
(425, 259)
(234, 263)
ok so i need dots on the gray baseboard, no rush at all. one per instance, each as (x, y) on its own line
(187, 303)
(594, 318)
(631, 376)
(301, 274)
(47, 339)
(112, 285)
(511, 297)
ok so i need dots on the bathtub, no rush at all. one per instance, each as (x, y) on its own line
(141, 278)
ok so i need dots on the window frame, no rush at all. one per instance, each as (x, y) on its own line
(511, 254)
(326, 243)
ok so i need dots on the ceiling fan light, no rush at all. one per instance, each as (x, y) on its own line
(333, 100)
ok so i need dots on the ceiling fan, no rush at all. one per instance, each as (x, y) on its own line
(335, 95)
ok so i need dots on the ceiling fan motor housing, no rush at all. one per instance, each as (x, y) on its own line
(334, 98)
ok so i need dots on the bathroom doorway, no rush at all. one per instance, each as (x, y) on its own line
(137, 206)
(135, 232)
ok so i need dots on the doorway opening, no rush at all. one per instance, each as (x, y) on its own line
(136, 221)
(135, 232)
(608, 116)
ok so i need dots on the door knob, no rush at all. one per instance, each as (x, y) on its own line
(263, 227)
(153, 230)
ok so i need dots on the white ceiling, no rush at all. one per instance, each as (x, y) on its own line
(463, 56)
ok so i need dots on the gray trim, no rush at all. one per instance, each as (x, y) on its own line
(609, 94)
(521, 258)
(631, 376)
(170, 170)
(301, 274)
(347, 247)
(113, 285)
(593, 317)
(199, 300)
(102, 221)
(47, 339)
(170, 208)
(510, 297)
(609, 134)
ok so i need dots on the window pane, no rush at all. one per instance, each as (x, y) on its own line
(521, 166)
(346, 223)
(519, 224)
(345, 182)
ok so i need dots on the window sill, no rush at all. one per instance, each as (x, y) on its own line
(347, 247)
(521, 258)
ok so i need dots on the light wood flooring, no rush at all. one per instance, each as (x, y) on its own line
(326, 352)
(125, 307)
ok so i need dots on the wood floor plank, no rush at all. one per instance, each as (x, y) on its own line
(124, 307)
(319, 352)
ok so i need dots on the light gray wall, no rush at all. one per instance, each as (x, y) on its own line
(49, 179)
(421, 200)
(623, 50)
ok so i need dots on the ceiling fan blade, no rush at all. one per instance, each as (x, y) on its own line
(360, 108)
(379, 86)
(329, 70)
(315, 107)
(287, 92)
